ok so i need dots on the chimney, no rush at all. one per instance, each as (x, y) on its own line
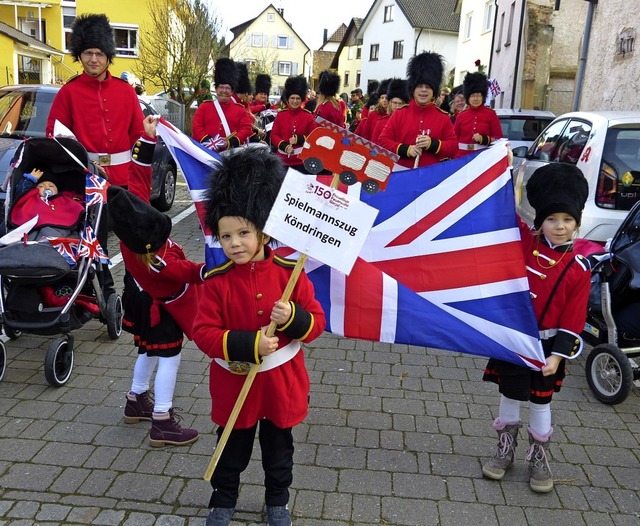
(325, 36)
(281, 11)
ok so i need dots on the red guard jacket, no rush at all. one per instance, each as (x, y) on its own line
(480, 120)
(328, 111)
(288, 122)
(207, 124)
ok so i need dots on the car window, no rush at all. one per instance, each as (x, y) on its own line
(523, 128)
(24, 113)
(572, 142)
(545, 148)
(619, 176)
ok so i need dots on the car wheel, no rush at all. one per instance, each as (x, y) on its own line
(167, 189)
(609, 374)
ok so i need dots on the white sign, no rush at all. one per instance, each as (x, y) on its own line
(320, 221)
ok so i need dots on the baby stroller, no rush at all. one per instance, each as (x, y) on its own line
(49, 285)
(613, 318)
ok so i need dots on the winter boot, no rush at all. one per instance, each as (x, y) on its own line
(503, 457)
(220, 517)
(138, 407)
(166, 430)
(278, 516)
(540, 479)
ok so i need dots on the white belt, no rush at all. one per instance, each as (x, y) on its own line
(549, 333)
(110, 159)
(272, 361)
(463, 146)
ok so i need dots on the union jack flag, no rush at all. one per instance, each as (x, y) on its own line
(67, 247)
(494, 87)
(442, 266)
(90, 247)
(95, 189)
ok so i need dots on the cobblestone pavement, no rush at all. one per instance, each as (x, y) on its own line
(395, 436)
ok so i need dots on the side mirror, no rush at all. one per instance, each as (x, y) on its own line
(520, 151)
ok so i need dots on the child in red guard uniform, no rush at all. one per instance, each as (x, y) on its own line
(160, 298)
(559, 282)
(238, 302)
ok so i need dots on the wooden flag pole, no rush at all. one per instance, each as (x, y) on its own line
(271, 329)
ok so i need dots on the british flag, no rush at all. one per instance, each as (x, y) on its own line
(95, 189)
(442, 266)
(90, 247)
(67, 247)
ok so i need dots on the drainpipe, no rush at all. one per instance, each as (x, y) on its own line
(515, 71)
(583, 56)
(415, 46)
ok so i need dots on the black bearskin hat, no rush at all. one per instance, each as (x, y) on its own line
(295, 86)
(474, 83)
(263, 84)
(425, 68)
(557, 187)
(245, 184)
(372, 87)
(383, 87)
(328, 83)
(92, 31)
(244, 84)
(398, 88)
(137, 224)
(225, 73)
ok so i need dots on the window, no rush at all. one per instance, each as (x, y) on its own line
(488, 16)
(499, 43)
(346, 78)
(512, 12)
(126, 40)
(68, 16)
(256, 39)
(271, 17)
(350, 53)
(283, 41)
(398, 49)
(388, 13)
(374, 51)
(284, 68)
(358, 52)
(467, 25)
(358, 78)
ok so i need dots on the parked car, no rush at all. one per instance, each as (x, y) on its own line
(605, 145)
(24, 110)
(522, 127)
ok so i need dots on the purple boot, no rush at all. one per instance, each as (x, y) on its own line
(166, 430)
(139, 407)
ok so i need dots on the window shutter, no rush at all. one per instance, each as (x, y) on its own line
(248, 39)
(265, 40)
(290, 42)
(294, 68)
(275, 68)
(274, 41)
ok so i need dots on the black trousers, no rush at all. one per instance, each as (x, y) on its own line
(276, 445)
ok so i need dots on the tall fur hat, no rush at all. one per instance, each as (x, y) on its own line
(137, 224)
(328, 83)
(425, 68)
(557, 187)
(383, 87)
(92, 31)
(295, 86)
(245, 184)
(244, 84)
(398, 88)
(225, 73)
(474, 83)
(372, 87)
(263, 83)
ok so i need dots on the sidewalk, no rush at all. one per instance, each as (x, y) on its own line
(395, 436)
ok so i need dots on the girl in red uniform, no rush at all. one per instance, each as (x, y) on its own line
(559, 282)
(238, 302)
(328, 106)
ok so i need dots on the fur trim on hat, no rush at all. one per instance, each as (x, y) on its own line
(92, 31)
(245, 184)
(425, 68)
(329, 83)
(226, 73)
(372, 87)
(384, 85)
(295, 86)
(474, 83)
(263, 84)
(398, 88)
(244, 84)
(142, 228)
(557, 187)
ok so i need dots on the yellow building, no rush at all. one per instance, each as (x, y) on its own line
(34, 36)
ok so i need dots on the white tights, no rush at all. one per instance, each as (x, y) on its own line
(539, 414)
(164, 383)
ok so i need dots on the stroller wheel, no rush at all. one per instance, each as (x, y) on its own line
(12, 334)
(114, 316)
(3, 359)
(609, 374)
(58, 363)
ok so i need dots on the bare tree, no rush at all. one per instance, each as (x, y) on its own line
(179, 47)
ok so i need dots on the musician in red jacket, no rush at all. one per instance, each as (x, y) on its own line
(222, 123)
(421, 129)
(477, 126)
(328, 106)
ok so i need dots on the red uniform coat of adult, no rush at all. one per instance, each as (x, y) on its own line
(379, 126)
(406, 123)
(241, 299)
(474, 120)
(328, 111)
(207, 122)
(288, 122)
(366, 126)
(105, 117)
